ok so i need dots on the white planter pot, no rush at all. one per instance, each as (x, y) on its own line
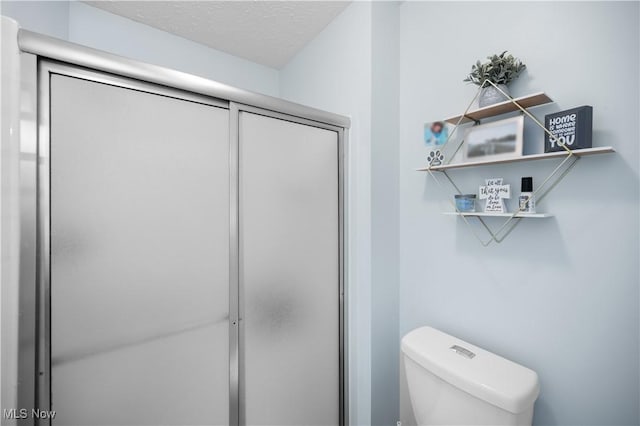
(490, 95)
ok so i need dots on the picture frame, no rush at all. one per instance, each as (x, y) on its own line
(436, 133)
(493, 141)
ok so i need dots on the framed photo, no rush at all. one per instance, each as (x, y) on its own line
(436, 133)
(495, 140)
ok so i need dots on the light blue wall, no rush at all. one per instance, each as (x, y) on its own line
(83, 24)
(333, 72)
(558, 295)
(385, 210)
(46, 17)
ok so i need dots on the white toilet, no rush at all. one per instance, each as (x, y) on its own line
(452, 382)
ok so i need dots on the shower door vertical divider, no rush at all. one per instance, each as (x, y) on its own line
(235, 109)
(43, 227)
(234, 267)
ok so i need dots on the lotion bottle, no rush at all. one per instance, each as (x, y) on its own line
(527, 203)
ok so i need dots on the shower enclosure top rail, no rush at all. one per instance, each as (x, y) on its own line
(65, 51)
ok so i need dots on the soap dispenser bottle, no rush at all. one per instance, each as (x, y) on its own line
(527, 201)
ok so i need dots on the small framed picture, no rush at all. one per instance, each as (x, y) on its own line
(436, 133)
(495, 140)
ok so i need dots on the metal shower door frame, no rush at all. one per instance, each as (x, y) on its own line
(45, 69)
(236, 275)
(40, 57)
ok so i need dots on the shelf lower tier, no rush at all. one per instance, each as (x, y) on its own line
(545, 156)
(483, 214)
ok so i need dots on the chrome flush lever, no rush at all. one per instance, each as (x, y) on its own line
(462, 351)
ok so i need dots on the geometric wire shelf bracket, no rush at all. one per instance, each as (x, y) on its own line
(550, 182)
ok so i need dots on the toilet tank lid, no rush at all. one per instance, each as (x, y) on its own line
(485, 375)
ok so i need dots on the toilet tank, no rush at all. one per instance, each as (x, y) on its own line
(454, 382)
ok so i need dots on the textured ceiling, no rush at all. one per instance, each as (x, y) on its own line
(266, 32)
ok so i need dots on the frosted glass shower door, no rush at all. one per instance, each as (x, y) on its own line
(289, 273)
(139, 257)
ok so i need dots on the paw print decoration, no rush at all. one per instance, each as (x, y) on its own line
(435, 158)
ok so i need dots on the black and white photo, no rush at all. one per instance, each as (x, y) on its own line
(495, 140)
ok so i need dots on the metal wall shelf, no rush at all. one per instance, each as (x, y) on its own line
(482, 214)
(545, 156)
(567, 159)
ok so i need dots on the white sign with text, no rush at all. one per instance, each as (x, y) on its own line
(494, 192)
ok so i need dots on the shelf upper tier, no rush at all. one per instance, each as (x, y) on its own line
(502, 108)
(483, 214)
(548, 155)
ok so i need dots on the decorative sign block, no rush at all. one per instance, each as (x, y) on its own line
(435, 158)
(572, 127)
(495, 193)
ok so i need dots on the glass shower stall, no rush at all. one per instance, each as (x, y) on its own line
(181, 248)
